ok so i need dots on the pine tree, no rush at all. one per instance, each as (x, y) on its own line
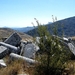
(53, 53)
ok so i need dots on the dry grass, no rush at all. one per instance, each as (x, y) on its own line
(70, 67)
(11, 69)
(16, 67)
(21, 67)
(6, 32)
(73, 37)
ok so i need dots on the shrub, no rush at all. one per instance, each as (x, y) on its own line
(53, 53)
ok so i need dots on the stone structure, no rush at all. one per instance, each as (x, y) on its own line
(30, 50)
(28, 60)
(71, 47)
(2, 63)
(11, 48)
(22, 45)
(13, 39)
(3, 51)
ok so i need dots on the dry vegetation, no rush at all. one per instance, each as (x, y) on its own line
(16, 67)
(21, 67)
(5, 32)
(70, 67)
(73, 37)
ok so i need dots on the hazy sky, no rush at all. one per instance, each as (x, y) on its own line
(20, 13)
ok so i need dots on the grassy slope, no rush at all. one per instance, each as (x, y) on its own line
(6, 32)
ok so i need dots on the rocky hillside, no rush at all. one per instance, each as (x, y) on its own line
(6, 32)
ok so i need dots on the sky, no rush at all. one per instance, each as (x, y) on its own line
(21, 13)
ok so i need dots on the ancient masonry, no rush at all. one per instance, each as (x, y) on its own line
(17, 49)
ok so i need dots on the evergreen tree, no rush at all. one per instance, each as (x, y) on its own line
(53, 53)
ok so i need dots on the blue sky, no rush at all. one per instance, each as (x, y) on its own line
(20, 13)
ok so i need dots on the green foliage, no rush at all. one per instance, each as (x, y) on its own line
(53, 53)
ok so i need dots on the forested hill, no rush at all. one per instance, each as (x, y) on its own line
(67, 25)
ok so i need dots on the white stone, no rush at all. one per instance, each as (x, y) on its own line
(72, 48)
(2, 63)
(30, 50)
(28, 60)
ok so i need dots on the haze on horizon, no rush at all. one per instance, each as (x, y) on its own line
(20, 13)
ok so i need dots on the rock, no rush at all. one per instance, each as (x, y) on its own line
(3, 51)
(13, 39)
(11, 48)
(71, 47)
(28, 60)
(30, 50)
(22, 45)
(2, 63)
(37, 39)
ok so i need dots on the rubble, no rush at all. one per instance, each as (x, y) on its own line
(2, 63)
(30, 50)
(13, 39)
(24, 50)
(72, 48)
(23, 44)
(12, 48)
(18, 49)
(3, 51)
(28, 60)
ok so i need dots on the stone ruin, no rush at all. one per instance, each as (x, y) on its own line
(17, 49)
(13, 39)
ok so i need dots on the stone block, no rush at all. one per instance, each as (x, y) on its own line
(13, 39)
(3, 51)
(2, 63)
(11, 47)
(30, 50)
(18, 57)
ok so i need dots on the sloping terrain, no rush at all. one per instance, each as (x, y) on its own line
(67, 25)
(6, 32)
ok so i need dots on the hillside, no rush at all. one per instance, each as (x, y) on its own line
(68, 25)
(5, 32)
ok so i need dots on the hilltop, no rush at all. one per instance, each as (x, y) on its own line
(6, 32)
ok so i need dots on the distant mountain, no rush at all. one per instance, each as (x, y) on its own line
(67, 25)
(24, 29)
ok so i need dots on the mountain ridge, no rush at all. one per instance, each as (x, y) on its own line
(23, 29)
(67, 23)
